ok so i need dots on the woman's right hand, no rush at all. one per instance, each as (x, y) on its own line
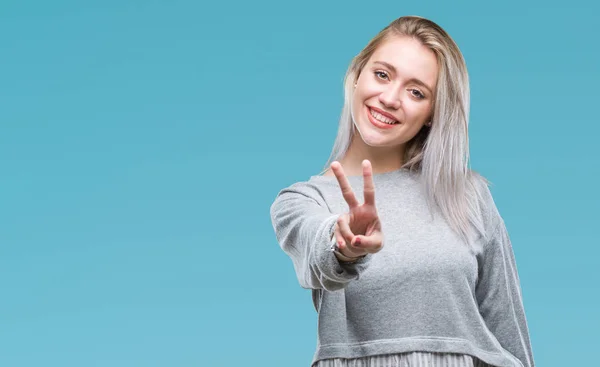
(358, 232)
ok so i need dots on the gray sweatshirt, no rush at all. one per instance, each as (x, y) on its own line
(426, 290)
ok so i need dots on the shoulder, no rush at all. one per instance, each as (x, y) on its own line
(308, 190)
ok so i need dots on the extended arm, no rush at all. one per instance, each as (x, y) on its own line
(304, 229)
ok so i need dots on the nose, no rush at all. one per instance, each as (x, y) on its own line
(390, 97)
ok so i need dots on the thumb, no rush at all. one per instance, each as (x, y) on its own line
(372, 243)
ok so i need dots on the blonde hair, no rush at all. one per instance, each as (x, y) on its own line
(439, 153)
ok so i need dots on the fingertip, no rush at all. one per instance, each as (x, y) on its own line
(367, 169)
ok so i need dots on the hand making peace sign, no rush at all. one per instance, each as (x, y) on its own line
(358, 232)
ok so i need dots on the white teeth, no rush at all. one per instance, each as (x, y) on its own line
(380, 117)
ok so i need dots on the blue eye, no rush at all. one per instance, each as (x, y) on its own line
(378, 73)
(419, 95)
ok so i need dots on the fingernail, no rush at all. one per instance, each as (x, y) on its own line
(357, 240)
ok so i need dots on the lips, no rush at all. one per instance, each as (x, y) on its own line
(388, 115)
(377, 123)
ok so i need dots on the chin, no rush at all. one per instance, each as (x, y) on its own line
(374, 138)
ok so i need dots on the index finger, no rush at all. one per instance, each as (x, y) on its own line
(347, 192)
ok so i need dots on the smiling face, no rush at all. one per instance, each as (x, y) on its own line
(397, 86)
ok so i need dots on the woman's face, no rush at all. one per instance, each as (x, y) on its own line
(397, 84)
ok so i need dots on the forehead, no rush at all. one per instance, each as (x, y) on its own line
(410, 58)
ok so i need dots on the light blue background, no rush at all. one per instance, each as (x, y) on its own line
(143, 142)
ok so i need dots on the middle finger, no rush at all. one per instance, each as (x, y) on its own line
(369, 190)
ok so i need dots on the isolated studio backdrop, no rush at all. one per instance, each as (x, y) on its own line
(141, 144)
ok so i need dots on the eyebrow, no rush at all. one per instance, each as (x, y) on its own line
(415, 80)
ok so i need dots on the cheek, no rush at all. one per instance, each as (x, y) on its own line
(418, 112)
(357, 103)
(363, 95)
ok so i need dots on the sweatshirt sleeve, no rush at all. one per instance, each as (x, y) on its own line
(304, 228)
(499, 296)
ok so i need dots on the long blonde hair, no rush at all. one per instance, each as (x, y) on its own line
(439, 153)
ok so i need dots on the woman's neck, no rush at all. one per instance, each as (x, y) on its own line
(383, 159)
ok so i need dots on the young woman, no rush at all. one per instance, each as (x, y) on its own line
(422, 273)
